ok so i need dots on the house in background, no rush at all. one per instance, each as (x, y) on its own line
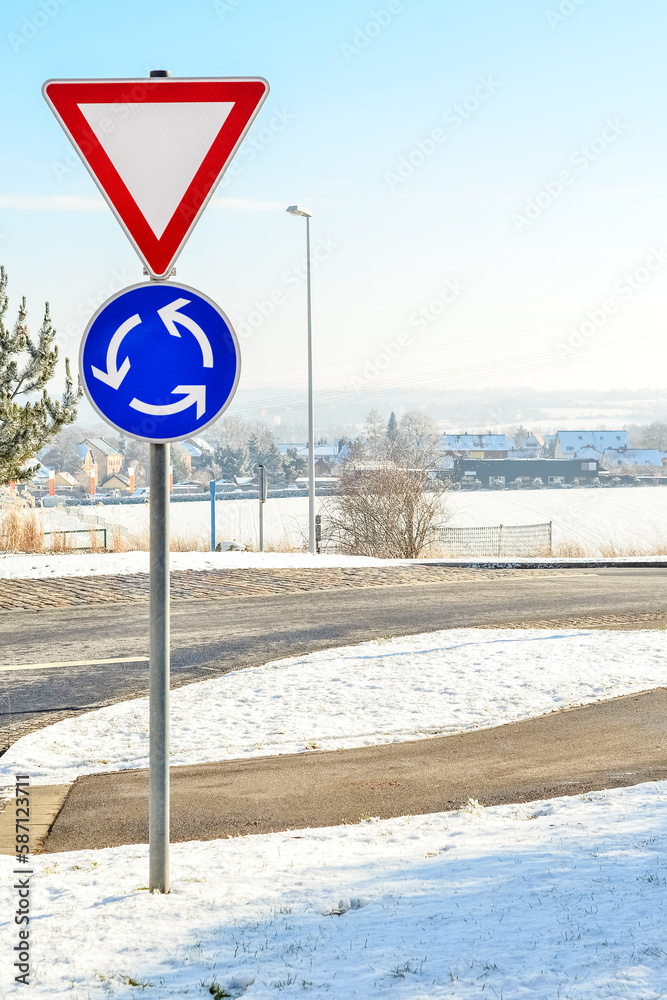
(87, 459)
(106, 456)
(187, 453)
(64, 482)
(589, 444)
(634, 456)
(475, 445)
(531, 447)
(117, 482)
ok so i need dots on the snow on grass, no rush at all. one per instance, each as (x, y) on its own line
(376, 692)
(127, 563)
(563, 898)
(43, 566)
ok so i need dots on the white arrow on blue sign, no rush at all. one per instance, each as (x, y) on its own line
(160, 361)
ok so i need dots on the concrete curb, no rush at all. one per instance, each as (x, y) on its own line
(46, 801)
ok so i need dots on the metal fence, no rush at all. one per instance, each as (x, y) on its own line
(61, 534)
(499, 540)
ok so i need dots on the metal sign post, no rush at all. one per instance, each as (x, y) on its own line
(263, 493)
(211, 487)
(158, 792)
(159, 360)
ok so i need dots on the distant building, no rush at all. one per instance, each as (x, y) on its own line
(475, 445)
(64, 482)
(634, 456)
(188, 453)
(117, 482)
(531, 447)
(202, 446)
(322, 467)
(326, 451)
(502, 472)
(106, 456)
(572, 444)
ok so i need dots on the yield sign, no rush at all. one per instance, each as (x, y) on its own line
(156, 148)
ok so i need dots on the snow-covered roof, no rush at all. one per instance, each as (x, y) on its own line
(321, 450)
(286, 446)
(69, 478)
(119, 476)
(635, 456)
(202, 445)
(102, 445)
(476, 442)
(191, 449)
(573, 442)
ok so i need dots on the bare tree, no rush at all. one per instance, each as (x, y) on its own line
(418, 438)
(230, 432)
(392, 512)
(655, 435)
(375, 435)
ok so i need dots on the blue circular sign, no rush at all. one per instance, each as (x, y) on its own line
(159, 361)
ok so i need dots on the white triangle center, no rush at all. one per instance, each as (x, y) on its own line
(157, 148)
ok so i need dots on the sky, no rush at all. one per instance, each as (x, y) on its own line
(487, 183)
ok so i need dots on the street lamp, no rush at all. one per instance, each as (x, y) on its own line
(298, 210)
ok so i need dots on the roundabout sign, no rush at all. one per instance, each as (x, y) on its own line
(160, 361)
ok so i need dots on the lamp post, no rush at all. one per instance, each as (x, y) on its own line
(298, 210)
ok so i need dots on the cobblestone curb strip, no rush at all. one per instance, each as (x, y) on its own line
(188, 585)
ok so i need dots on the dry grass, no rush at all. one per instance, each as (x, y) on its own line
(119, 541)
(21, 528)
(611, 548)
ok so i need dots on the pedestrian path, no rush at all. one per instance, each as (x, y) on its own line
(609, 744)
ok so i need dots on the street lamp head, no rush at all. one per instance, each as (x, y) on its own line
(299, 210)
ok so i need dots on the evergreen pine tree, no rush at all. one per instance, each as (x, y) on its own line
(294, 465)
(26, 368)
(264, 451)
(231, 461)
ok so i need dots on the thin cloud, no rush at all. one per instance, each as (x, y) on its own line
(247, 204)
(51, 203)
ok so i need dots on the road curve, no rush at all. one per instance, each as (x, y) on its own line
(211, 637)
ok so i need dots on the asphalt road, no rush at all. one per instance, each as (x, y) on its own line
(606, 745)
(210, 638)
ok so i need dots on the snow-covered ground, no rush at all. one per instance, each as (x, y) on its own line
(553, 899)
(43, 566)
(601, 521)
(558, 899)
(127, 563)
(376, 692)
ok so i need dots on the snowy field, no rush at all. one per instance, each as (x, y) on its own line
(375, 692)
(557, 899)
(600, 521)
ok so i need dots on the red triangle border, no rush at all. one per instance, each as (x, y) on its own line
(64, 97)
